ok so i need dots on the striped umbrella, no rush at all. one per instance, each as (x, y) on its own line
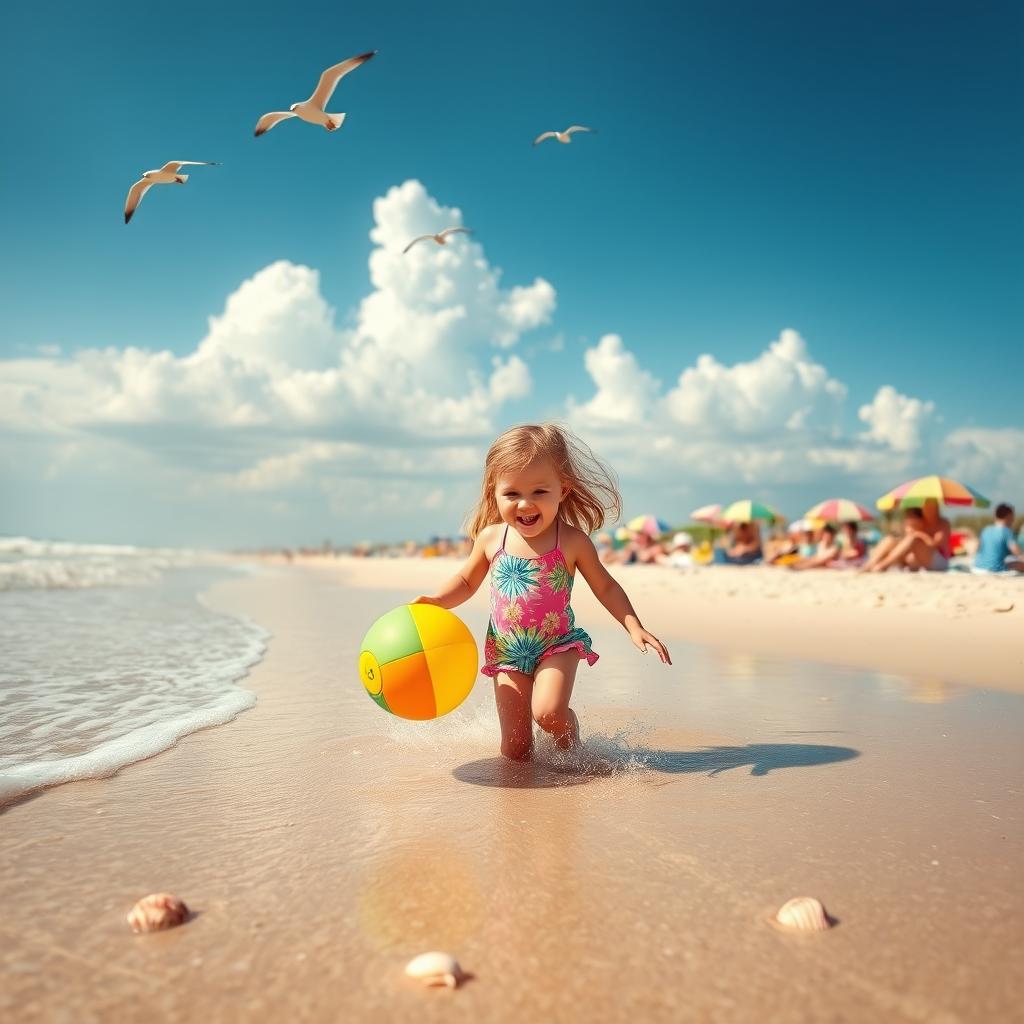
(707, 514)
(651, 525)
(914, 493)
(840, 510)
(747, 511)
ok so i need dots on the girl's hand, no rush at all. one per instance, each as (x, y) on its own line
(643, 640)
(422, 599)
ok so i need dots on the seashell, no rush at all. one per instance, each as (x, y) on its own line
(435, 969)
(803, 914)
(157, 911)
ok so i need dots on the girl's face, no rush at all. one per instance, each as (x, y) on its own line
(528, 499)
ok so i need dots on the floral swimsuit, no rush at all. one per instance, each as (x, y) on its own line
(530, 614)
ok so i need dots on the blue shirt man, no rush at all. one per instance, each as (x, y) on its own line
(996, 543)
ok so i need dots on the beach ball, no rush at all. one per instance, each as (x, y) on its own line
(418, 661)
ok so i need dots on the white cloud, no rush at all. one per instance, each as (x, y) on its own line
(624, 391)
(896, 420)
(439, 302)
(320, 462)
(771, 425)
(509, 380)
(276, 320)
(414, 365)
(780, 390)
(988, 458)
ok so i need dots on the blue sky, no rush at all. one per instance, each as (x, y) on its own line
(849, 173)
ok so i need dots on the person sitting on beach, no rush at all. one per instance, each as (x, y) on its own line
(996, 545)
(808, 544)
(646, 549)
(744, 546)
(920, 547)
(827, 551)
(781, 548)
(679, 553)
(852, 548)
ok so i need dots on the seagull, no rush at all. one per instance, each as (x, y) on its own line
(167, 175)
(312, 110)
(562, 136)
(440, 237)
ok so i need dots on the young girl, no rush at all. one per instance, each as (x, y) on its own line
(543, 493)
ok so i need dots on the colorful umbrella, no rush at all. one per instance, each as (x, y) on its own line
(651, 525)
(915, 493)
(840, 510)
(707, 514)
(747, 511)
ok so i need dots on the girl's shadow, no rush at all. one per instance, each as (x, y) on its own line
(578, 767)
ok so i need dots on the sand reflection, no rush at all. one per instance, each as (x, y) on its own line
(423, 892)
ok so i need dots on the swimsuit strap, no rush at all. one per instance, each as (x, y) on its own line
(504, 538)
(558, 530)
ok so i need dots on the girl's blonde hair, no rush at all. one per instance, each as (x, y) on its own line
(593, 497)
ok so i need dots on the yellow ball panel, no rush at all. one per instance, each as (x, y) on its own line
(439, 627)
(453, 671)
(369, 672)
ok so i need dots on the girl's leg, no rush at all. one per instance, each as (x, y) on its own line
(552, 689)
(512, 693)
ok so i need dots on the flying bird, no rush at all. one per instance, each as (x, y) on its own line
(441, 237)
(312, 110)
(562, 136)
(167, 175)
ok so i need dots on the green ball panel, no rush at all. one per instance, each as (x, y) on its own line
(393, 636)
(378, 698)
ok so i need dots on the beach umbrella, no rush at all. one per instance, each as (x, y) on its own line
(840, 510)
(707, 514)
(651, 525)
(747, 511)
(623, 534)
(914, 493)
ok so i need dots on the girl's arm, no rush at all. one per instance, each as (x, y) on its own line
(464, 585)
(608, 591)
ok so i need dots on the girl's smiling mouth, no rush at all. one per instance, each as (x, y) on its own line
(528, 520)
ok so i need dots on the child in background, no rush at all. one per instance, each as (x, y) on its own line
(543, 493)
(996, 544)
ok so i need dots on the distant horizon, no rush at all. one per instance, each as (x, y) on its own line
(959, 517)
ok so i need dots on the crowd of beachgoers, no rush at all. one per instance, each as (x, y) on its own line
(917, 538)
(921, 539)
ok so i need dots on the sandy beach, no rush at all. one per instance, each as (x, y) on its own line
(853, 739)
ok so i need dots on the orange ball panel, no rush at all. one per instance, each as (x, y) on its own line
(407, 687)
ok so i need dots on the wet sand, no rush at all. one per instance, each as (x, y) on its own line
(323, 843)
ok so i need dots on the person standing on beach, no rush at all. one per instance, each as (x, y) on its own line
(543, 493)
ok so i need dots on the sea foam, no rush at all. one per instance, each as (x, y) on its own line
(30, 564)
(95, 678)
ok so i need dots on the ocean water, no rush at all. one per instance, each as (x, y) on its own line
(108, 656)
